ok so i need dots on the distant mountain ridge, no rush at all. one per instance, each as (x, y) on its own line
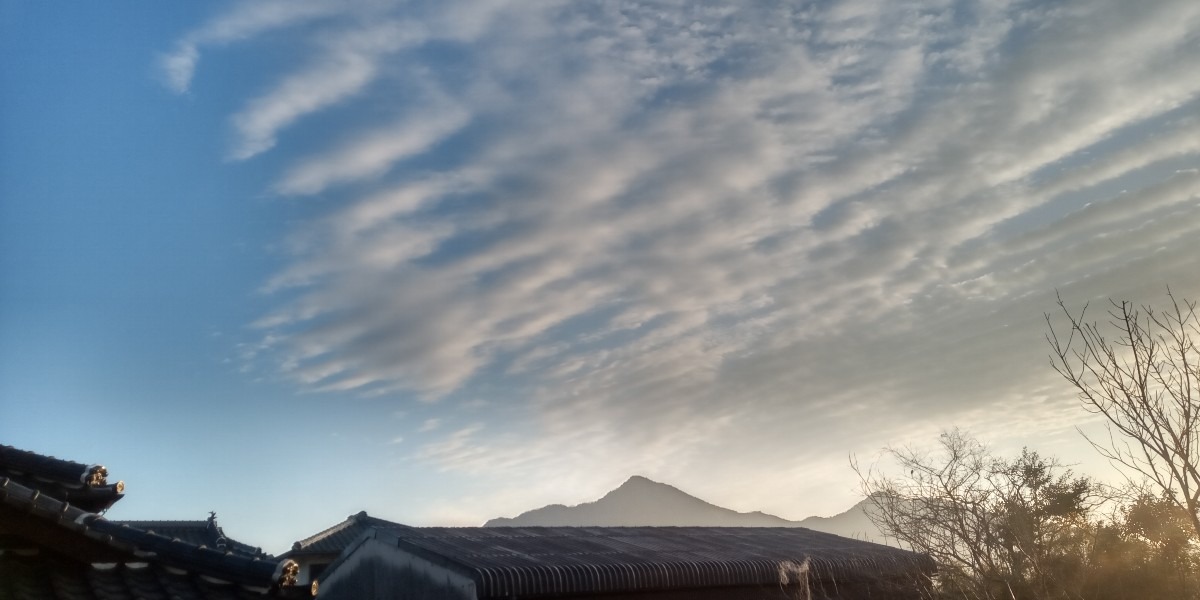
(644, 502)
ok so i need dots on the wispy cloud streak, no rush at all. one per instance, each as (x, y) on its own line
(670, 237)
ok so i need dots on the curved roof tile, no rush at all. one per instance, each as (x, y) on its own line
(535, 561)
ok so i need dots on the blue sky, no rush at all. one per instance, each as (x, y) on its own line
(446, 261)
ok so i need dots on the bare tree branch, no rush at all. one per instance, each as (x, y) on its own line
(1144, 383)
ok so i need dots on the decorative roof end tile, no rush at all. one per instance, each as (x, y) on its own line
(94, 476)
(287, 572)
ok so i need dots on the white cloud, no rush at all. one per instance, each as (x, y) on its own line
(372, 154)
(301, 94)
(703, 243)
(349, 61)
(179, 65)
(246, 20)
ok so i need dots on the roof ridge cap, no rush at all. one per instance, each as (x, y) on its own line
(348, 521)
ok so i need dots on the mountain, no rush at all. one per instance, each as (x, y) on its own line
(853, 523)
(640, 501)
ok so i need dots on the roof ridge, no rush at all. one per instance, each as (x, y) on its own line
(51, 468)
(214, 535)
(81, 484)
(334, 539)
(173, 552)
(312, 539)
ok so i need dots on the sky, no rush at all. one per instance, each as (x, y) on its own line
(445, 261)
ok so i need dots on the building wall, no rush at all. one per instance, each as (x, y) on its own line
(310, 563)
(376, 570)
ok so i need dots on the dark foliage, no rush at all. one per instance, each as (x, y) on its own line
(1027, 528)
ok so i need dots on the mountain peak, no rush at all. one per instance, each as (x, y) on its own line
(638, 482)
(641, 501)
(639, 489)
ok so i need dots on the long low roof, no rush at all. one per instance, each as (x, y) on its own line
(519, 561)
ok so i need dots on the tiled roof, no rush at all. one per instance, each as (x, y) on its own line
(200, 533)
(336, 538)
(85, 486)
(43, 578)
(521, 561)
(44, 467)
(72, 527)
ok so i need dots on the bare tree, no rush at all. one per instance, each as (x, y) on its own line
(941, 509)
(996, 528)
(1145, 381)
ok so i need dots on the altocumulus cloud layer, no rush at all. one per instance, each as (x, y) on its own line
(707, 240)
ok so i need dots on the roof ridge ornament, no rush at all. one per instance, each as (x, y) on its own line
(286, 572)
(94, 476)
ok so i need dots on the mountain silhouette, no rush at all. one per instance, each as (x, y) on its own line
(643, 502)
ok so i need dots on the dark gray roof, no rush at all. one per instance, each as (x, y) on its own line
(24, 509)
(85, 486)
(530, 561)
(47, 468)
(42, 578)
(335, 539)
(199, 533)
